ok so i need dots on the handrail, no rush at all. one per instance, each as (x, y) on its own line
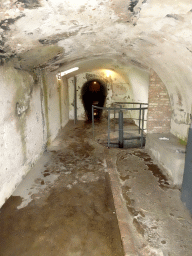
(141, 109)
(130, 103)
(116, 108)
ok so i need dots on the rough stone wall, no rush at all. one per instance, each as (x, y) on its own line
(30, 117)
(159, 109)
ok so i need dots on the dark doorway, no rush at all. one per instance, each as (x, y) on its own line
(94, 92)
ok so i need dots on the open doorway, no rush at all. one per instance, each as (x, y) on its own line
(93, 92)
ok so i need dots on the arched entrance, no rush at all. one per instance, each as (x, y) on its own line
(93, 92)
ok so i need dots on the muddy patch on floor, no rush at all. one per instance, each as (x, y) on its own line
(74, 215)
(78, 221)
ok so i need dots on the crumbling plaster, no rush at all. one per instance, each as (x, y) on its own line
(147, 33)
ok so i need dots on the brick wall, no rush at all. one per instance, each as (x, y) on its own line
(159, 111)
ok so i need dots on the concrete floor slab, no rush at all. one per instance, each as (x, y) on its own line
(162, 224)
(65, 205)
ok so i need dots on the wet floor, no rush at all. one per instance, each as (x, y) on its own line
(72, 214)
(65, 206)
(160, 219)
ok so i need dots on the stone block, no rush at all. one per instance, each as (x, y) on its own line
(169, 154)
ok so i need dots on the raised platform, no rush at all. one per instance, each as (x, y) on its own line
(169, 154)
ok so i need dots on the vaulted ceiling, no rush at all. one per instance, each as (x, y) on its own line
(144, 32)
(112, 34)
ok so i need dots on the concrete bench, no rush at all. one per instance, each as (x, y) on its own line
(169, 154)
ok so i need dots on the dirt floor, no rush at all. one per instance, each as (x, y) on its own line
(65, 205)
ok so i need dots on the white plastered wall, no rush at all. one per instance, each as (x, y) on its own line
(23, 122)
(139, 81)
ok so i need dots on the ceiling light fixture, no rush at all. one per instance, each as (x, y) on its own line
(59, 75)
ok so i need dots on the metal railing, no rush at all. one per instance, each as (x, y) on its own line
(141, 105)
(118, 107)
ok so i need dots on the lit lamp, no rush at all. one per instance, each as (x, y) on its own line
(59, 75)
(108, 73)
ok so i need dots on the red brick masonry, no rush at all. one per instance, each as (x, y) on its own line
(159, 111)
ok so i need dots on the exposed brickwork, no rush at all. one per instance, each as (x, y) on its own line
(159, 111)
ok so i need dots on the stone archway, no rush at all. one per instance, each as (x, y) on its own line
(93, 92)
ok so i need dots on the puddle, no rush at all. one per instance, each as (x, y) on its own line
(142, 155)
(162, 179)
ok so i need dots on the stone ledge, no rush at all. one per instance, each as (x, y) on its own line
(122, 214)
(169, 155)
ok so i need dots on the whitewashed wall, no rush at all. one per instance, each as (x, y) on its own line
(31, 115)
(139, 81)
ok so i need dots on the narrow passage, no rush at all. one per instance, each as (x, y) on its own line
(65, 206)
(68, 207)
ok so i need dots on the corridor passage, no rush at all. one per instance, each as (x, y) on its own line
(65, 207)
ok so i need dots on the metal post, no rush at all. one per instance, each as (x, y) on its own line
(140, 119)
(114, 115)
(142, 128)
(108, 141)
(121, 129)
(75, 99)
(93, 124)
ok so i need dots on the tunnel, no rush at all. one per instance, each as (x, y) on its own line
(93, 92)
(136, 51)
